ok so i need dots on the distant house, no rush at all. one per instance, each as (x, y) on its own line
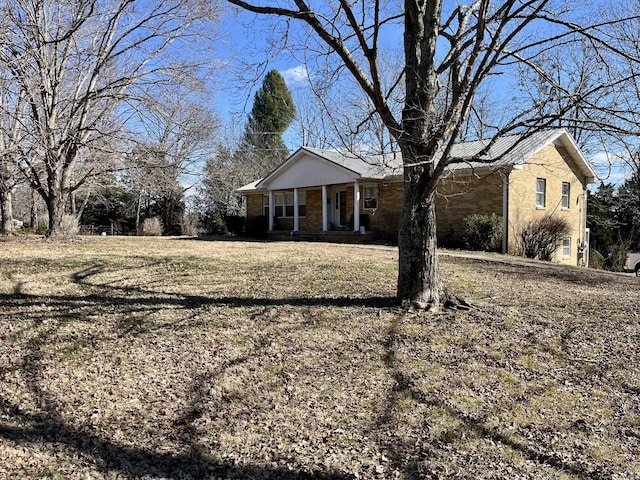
(313, 191)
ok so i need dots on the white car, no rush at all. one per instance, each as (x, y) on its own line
(632, 263)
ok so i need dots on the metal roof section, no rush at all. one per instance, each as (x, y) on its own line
(514, 150)
(249, 187)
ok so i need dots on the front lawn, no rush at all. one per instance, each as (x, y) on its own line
(174, 358)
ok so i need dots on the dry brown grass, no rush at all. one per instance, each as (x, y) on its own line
(169, 358)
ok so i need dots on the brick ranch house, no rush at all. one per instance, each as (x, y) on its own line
(313, 192)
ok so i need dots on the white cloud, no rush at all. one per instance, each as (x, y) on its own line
(610, 167)
(298, 74)
(601, 158)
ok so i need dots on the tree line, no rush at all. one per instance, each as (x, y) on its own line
(107, 119)
(215, 208)
(93, 91)
(614, 222)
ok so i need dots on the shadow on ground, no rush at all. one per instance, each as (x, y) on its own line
(109, 457)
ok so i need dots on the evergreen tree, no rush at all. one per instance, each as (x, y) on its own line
(259, 152)
(614, 220)
(110, 205)
(601, 218)
(628, 214)
(272, 113)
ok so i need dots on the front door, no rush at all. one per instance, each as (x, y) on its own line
(340, 214)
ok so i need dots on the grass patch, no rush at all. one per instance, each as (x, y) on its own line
(174, 358)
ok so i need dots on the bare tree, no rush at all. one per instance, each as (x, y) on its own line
(79, 66)
(344, 120)
(227, 169)
(174, 138)
(450, 51)
(10, 106)
(223, 173)
(625, 99)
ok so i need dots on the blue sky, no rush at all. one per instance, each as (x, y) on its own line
(244, 43)
(245, 39)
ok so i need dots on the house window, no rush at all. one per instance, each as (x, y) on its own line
(265, 205)
(541, 188)
(284, 206)
(302, 204)
(288, 204)
(566, 247)
(566, 189)
(370, 197)
(278, 200)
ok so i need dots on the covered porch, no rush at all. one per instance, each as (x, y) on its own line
(324, 209)
(326, 196)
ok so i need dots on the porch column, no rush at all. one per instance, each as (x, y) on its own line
(325, 213)
(296, 217)
(272, 209)
(356, 206)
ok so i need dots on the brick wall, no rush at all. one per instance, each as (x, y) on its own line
(386, 218)
(313, 219)
(555, 166)
(254, 206)
(459, 196)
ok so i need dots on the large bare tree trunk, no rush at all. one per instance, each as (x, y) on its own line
(55, 207)
(138, 209)
(419, 280)
(418, 276)
(33, 214)
(56, 197)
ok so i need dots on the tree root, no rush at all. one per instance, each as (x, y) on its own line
(449, 302)
(454, 302)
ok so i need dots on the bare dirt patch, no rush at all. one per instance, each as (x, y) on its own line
(172, 358)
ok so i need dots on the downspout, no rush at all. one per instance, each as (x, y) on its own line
(504, 174)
